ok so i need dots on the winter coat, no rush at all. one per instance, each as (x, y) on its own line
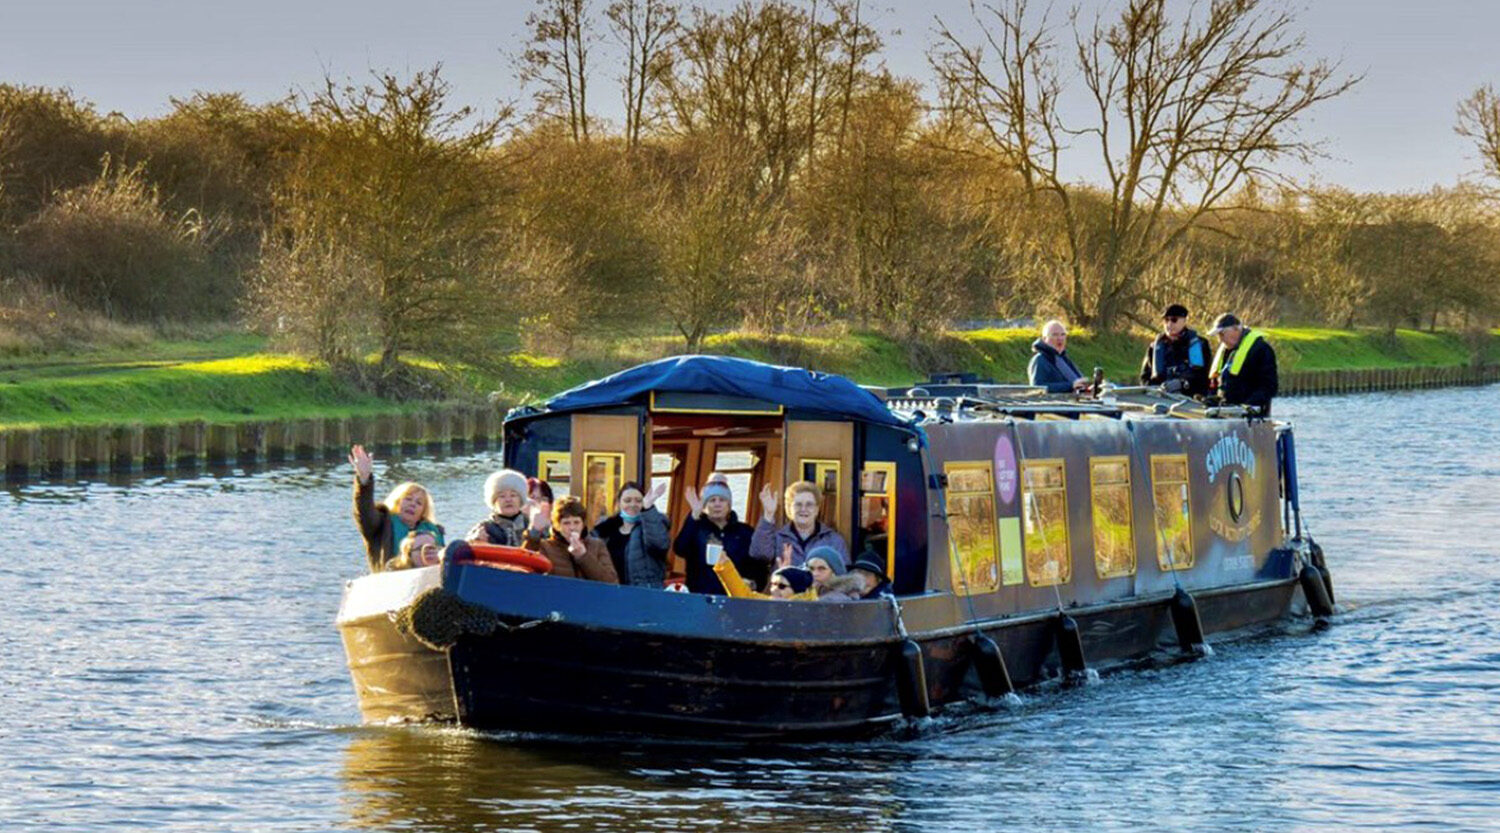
(844, 588)
(880, 591)
(1050, 369)
(640, 557)
(593, 565)
(1257, 383)
(1184, 357)
(693, 539)
(507, 532)
(375, 526)
(736, 587)
(768, 540)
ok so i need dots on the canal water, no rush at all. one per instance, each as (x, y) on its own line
(170, 664)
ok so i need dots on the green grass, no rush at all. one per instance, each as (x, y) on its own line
(254, 386)
(230, 378)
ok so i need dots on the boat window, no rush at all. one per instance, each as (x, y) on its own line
(971, 527)
(1169, 491)
(877, 512)
(663, 465)
(738, 466)
(602, 472)
(1114, 541)
(825, 475)
(556, 467)
(1045, 494)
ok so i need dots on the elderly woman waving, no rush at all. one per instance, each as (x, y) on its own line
(788, 545)
(407, 509)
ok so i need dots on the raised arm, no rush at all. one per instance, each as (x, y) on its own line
(763, 542)
(365, 516)
(656, 533)
(734, 583)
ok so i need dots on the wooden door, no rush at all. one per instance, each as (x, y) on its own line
(605, 455)
(823, 452)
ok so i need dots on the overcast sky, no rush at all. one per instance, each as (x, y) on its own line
(1393, 132)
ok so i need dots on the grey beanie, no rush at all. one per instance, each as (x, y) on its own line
(502, 480)
(829, 554)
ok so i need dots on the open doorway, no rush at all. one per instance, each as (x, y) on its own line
(686, 449)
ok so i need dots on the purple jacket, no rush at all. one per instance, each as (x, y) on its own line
(766, 543)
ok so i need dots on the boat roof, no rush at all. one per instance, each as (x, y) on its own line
(741, 379)
(944, 400)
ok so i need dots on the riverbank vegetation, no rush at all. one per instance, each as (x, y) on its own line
(232, 378)
(769, 187)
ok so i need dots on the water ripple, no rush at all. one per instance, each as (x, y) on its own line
(188, 678)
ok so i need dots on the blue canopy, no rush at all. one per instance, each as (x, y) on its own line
(791, 387)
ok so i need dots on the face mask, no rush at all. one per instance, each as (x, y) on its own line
(630, 519)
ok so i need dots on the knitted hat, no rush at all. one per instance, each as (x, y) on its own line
(870, 567)
(830, 555)
(716, 489)
(797, 577)
(502, 480)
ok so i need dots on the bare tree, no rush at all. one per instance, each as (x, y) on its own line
(384, 226)
(707, 224)
(556, 57)
(1479, 119)
(762, 75)
(644, 28)
(1181, 113)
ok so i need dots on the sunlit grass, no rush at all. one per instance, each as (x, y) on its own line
(232, 378)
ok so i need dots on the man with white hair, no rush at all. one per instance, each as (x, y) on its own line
(1245, 365)
(1050, 367)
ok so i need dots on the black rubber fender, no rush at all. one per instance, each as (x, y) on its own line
(994, 677)
(1316, 591)
(1070, 645)
(1185, 620)
(911, 681)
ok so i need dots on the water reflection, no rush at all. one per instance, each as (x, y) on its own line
(454, 780)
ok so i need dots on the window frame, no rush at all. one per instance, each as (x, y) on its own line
(889, 470)
(961, 587)
(545, 459)
(1158, 534)
(828, 510)
(1026, 501)
(1094, 464)
(612, 491)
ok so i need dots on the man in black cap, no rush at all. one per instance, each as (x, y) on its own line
(1245, 365)
(1178, 358)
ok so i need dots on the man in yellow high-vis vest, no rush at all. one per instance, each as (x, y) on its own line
(1244, 368)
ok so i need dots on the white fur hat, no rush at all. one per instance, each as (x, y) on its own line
(502, 480)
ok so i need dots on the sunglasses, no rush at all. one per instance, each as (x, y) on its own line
(780, 585)
(1171, 318)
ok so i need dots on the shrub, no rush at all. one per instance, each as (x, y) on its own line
(35, 318)
(111, 246)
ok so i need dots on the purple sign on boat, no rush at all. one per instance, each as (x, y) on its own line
(1005, 468)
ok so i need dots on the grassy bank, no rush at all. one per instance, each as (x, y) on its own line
(232, 378)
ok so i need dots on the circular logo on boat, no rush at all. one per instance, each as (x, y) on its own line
(1236, 497)
(1005, 469)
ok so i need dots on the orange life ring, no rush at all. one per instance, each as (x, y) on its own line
(500, 556)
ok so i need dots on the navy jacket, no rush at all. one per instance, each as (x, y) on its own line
(1050, 369)
(692, 540)
(1185, 358)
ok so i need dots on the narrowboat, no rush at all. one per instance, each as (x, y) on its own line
(1027, 535)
